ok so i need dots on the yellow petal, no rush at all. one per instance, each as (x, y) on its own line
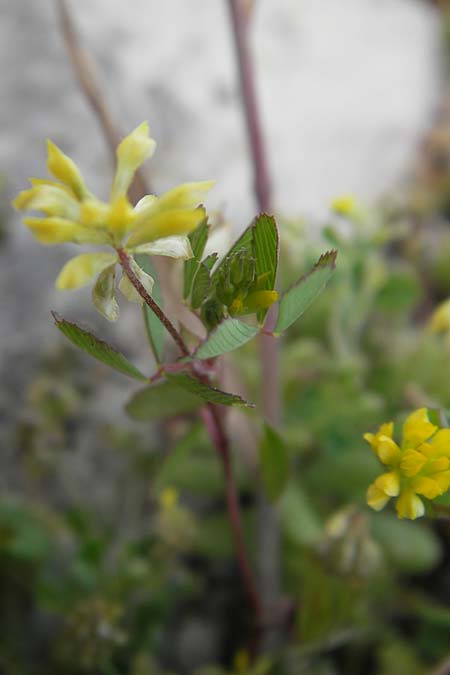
(387, 451)
(440, 442)
(389, 483)
(443, 480)
(94, 213)
(412, 462)
(409, 505)
(65, 170)
(51, 200)
(166, 224)
(58, 230)
(80, 270)
(417, 429)
(427, 487)
(103, 294)
(173, 247)
(120, 216)
(184, 196)
(376, 498)
(131, 153)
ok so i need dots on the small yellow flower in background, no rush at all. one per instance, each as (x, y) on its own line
(419, 467)
(168, 499)
(440, 319)
(71, 213)
(344, 205)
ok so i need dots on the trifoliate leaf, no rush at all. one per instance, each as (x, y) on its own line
(198, 239)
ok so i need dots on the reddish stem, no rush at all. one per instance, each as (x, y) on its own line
(168, 325)
(214, 425)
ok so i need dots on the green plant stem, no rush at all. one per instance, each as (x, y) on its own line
(269, 534)
(211, 417)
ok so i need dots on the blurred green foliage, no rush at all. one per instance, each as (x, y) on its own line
(80, 595)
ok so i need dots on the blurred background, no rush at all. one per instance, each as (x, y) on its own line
(94, 553)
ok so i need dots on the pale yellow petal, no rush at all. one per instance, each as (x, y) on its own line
(173, 247)
(56, 230)
(166, 224)
(417, 429)
(51, 200)
(131, 152)
(103, 294)
(184, 196)
(80, 270)
(65, 170)
(440, 319)
(409, 505)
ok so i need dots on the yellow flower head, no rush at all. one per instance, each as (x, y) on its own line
(345, 205)
(440, 319)
(419, 467)
(69, 212)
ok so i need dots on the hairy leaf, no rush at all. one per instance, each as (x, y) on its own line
(205, 392)
(198, 239)
(97, 348)
(160, 401)
(265, 251)
(298, 297)
(229, 335)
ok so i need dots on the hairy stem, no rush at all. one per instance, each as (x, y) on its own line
(168, 325)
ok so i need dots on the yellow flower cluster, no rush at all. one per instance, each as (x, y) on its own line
(71, 213)
(419, 467)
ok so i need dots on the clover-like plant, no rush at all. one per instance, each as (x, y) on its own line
(230, 296)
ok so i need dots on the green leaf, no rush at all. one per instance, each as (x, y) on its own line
(198, 239)
(201, 286)
(274, 463)
(229, 335)
(265, 251)
(245, 241)
(205, 392)
(160, 401)
(97, 348)
(153, 326)
(298, 297)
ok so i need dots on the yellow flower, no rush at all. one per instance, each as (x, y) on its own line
(345, 205)
(419, 467)
(440, 319)
(71, 213)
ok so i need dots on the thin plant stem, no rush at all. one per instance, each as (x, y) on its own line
(168, 325)
(269, 536)
(211, 417)
(214, 425)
